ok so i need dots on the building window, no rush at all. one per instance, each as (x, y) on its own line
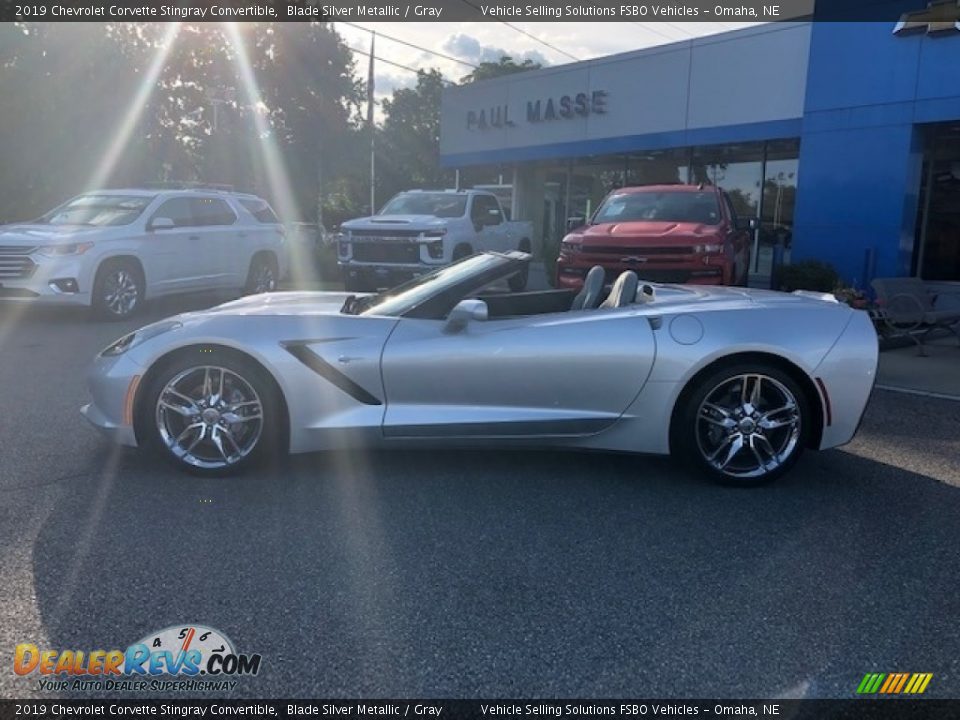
(938, 246)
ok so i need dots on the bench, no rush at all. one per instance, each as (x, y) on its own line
(910, 310)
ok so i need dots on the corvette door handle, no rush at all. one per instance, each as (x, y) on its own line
(348, 359)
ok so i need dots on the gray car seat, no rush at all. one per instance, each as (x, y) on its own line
(589, 295)
(623, 292)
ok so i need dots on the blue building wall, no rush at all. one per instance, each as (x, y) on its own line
(861, 151)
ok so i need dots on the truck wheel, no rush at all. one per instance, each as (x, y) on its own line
(117, 289)
(262, 276)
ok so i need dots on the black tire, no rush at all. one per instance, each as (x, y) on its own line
(262, 276)
(708, 439)
(462, 251)
(163, 431)
(118, 290)
(518, 282)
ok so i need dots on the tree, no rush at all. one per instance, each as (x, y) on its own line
(59, 83)
(505, 66)
(76, 85)
(409, 139)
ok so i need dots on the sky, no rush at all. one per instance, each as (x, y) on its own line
(474, 42)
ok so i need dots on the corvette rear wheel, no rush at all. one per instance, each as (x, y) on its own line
(210, 413)
(745, 425)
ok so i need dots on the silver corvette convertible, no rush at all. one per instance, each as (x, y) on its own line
(735, 381)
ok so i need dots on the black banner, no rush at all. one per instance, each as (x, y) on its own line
(894, 709)
(467, 10)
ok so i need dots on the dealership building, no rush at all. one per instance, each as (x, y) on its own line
(842, 138)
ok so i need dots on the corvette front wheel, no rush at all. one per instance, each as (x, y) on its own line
(745, 425)
(210, 413)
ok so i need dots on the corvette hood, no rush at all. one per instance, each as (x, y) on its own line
(280, 303)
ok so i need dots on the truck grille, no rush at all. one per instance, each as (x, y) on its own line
(13, 267)
(388, 252)
(639, 251)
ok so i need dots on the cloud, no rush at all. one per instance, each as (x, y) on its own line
(469, 48)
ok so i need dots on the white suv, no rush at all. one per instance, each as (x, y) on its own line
(112, 249)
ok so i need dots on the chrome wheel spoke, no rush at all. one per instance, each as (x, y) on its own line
(218, 442)
(232, 418)
(229, 436)
(187, 411)
(768, 422)
(207, 384)
(750, 394)
(708, 412)
(187, 430)
(761, 464)
(765, 445)
(735, 447)
(196, 441)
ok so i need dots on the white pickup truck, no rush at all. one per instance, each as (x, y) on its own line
(419, 231)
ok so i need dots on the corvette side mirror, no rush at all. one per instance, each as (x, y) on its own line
(463, 313)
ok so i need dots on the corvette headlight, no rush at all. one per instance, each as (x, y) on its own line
(64, 250)
(119, 347)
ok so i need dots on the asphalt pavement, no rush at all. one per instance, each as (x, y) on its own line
(477, 574)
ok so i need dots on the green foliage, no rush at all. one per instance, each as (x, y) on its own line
(505, 66)
(69, 87)
(408, 143)
(808, 275)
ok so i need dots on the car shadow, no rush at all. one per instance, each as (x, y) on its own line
(512, 574)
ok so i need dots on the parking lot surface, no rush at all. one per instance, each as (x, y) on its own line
(465, 574)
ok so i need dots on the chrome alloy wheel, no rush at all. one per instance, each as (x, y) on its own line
(748, 425)
(120, 292)
(264, 279)
(209, 417)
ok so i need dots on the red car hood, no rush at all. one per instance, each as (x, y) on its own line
(629, 233)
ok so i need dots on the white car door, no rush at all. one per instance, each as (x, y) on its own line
(221, 243)
(488, 221)
(552, 374)
(170, 251)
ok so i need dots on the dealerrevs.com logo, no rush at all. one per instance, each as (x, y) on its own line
(199, 657)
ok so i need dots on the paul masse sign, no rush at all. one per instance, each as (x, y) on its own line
(565, 107)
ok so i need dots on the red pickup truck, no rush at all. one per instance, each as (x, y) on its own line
(664, 233)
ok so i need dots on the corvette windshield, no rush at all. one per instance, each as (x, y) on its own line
(441, 205)
(404, 297)
(670, 206)
(98, 210)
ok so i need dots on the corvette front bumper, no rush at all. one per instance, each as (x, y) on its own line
(120, 434)
(113, 382)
